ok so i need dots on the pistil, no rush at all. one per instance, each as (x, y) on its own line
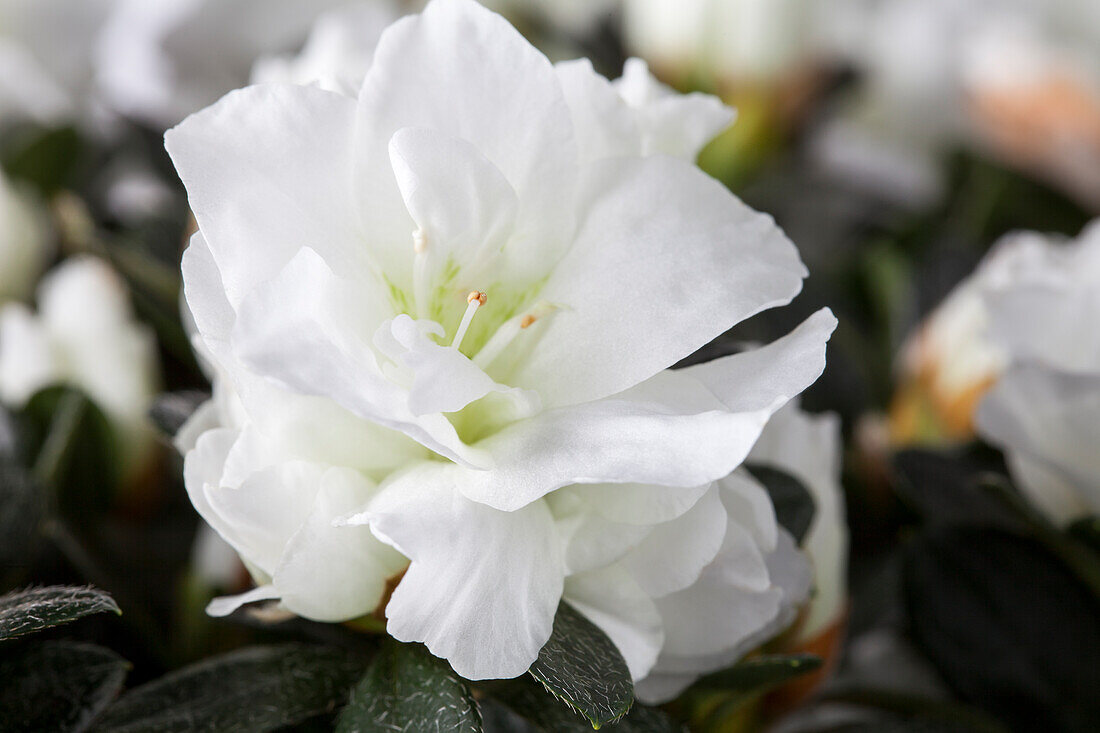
(421, 275)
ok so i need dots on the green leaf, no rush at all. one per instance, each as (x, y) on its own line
(408, 689)
(74, 448)
(1009, 627)
(254, 689)
(26, 611)
(581, 667)
(760, 674)
(794, 504)
(536, 706)
(172, 409)
(57, 685)
(44, 158)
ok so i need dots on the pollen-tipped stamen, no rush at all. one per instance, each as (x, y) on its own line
(508, 332)
(474, 300)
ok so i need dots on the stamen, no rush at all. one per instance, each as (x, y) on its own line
(421, 275)
(507, 332)
(474, 300)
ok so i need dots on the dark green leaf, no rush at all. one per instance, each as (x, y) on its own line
(26, 611)
(943, 487)
(760, 674)
(57, 685)
(1009, 627)
(794, 504)
(44, 158)
(20, 513)
(580, 666)
(171, 410)
(407, 689)
(254, 689)
(74, 449)
(542, 710)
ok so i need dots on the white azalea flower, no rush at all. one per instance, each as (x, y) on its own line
(723, 40)
(45, 58)
(957, 355)
(84, 334)
(446, 307)
(1045, 410)
(159, 61)
(25, 242)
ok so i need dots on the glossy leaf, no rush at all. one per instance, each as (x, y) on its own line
(407, 689)
(254, 689)
(582, 667)
(760, 674)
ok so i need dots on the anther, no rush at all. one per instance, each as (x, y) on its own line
(527, 321)
(477, 295)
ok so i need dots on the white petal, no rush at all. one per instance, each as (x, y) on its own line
(226, 605)
(460, 201)
(592, 541)
(809, 448)
(639, 504)
(505, 100)
(332, 573)
(1046, 421)
(750, 503)
(205, 292)
(680, 428)
(671, 557)
(307, 328)
(483, 585)
(603, 123)
(261, 515)
(27, 359)
(257, 201)
(666, 259)
(612, 600)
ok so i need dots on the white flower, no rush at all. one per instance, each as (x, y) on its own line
(45, 58)
(809, 448)
(957, 355)
(1045, 410)
(338, 52)
(159, 61)
(84, 334)
(339, 281)
(721, 40)
(25, 242)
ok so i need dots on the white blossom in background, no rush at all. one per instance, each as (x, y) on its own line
(26, 243)
(84, 334)
(954, 357)
(46, 70)
(159, 61)
(809, 447)
(1045, 409)
(338, 52)
(755, 41)
(441, 315)
(1013, 77)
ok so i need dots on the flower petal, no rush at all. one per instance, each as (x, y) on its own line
(226, 605)
(504, 99)
(613, 601)
(623, 318)
(329, 573)
(671, 557)
(482, 587)
(257, 206)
